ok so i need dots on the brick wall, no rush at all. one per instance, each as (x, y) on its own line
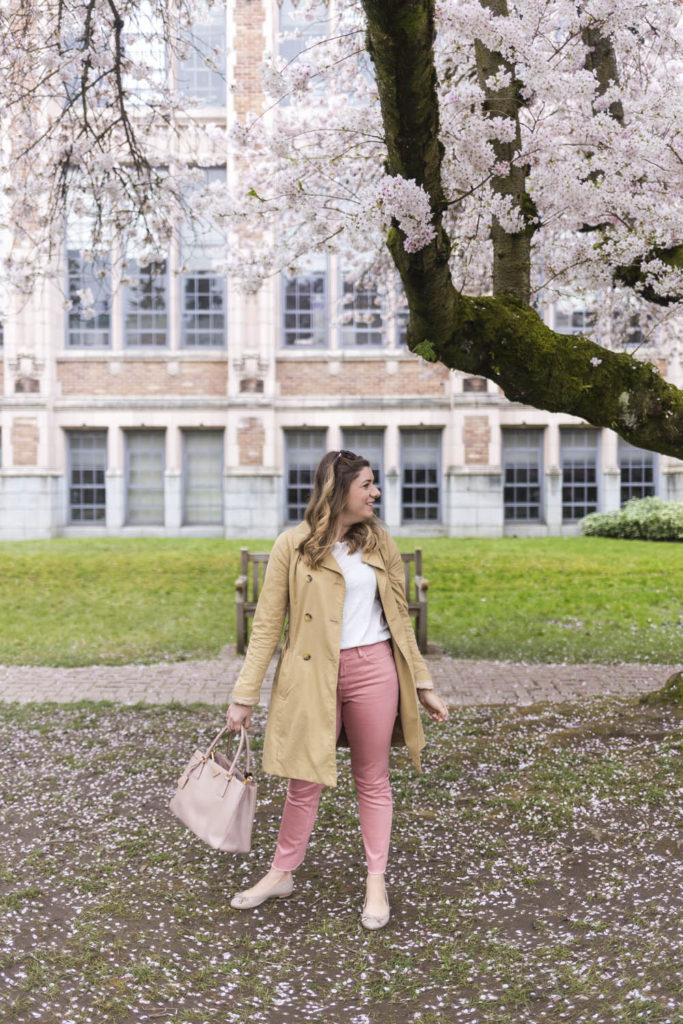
(477, 437)
(25, 441)
(361, 378)
(249, 46)
(250, 440)
(142, 378)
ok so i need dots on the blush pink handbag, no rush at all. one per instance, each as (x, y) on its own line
(215, 799)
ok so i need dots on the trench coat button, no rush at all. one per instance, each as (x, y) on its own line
(308, 617)
(306, 657)
(309, 578)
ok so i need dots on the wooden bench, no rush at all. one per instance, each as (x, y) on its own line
(253, 570)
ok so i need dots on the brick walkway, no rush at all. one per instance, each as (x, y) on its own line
(458, 681)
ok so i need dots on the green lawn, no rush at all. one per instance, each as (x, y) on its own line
(80, 602)
(556, 599)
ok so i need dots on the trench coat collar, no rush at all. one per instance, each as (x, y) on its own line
(330, 562)
(373, 558)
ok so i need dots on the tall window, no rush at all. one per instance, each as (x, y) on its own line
(421, 473)
(579, 448)
(143, 42)
(522, 467)
(361, 306)
(303, 451)
(203, 290)
(203, 312)
(87, 468)
(575, 315)
(201, 72)
(637, 469)
(145, 463)
(89, 292)
(304, 314)
(474, 384)
(402, 315)
(369, 444)
(202, 477)
(297, 31)
(146, 305)
(88, 287)
(627, 327)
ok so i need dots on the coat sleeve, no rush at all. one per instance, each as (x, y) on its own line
(269, 619)
(394, 564)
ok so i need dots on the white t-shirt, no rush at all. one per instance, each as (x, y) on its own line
(363, 619)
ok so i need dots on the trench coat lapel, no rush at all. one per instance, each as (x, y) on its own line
(330, 562)
(375, 559)
(372, 558)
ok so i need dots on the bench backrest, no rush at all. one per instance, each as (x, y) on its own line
(254, 565)
(257, 561)
(411, 558)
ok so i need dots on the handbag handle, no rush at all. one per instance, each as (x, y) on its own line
(244, 741)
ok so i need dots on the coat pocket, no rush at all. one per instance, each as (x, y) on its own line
(284, 677)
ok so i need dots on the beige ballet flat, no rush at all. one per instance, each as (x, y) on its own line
(282, 889)
(374, 921)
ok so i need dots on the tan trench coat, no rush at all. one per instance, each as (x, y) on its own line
(300, 737)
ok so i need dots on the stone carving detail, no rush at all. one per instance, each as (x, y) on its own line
(26, 370)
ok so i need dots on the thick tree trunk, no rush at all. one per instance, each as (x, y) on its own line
(602, 61)
(511, 272)
(499, 337)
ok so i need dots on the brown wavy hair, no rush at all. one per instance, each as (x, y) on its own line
(333, 477)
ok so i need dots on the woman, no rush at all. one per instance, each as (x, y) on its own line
(349, 664)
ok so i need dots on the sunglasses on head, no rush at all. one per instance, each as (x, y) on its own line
(343, 454)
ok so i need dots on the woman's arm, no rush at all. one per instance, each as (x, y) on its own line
(433, 705)
(269, 618)
(428, 698)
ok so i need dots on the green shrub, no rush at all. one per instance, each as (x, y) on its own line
(639, 519)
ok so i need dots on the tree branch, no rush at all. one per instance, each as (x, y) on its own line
(497, 337)
(633, 275)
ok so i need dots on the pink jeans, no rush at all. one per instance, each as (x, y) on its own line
(367, 702)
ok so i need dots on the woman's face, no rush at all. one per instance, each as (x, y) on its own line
(360, 501)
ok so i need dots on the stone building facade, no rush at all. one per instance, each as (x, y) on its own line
(185, 408)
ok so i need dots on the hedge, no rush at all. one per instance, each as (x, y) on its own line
(639, 519)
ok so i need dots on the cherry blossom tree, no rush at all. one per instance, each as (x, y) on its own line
(495, 155)
(503, 154)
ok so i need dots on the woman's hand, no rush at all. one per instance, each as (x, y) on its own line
(238, 715)
(432, 703)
